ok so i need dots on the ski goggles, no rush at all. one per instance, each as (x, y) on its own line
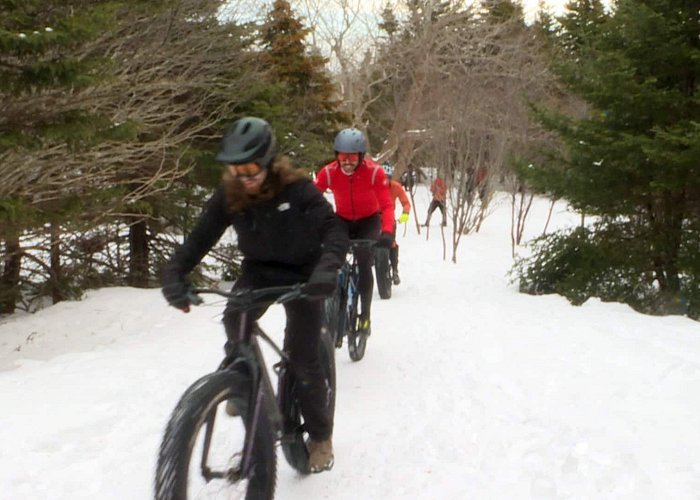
(351, 157)
(246, 170)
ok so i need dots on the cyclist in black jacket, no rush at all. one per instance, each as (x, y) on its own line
(287, 233)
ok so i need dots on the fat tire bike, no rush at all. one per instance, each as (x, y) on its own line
(206, 453)
(341, 315)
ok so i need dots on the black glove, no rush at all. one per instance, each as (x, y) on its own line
(321, 284)
(385, 240)
(177, 292)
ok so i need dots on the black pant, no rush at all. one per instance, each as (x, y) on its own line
(368, 228)
(301, 343)
(431, 208)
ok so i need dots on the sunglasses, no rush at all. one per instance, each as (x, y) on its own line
(247, 170)
(353, 157)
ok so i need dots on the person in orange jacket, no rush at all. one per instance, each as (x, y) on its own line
(362, 202)
(439, 190)
(397, 192)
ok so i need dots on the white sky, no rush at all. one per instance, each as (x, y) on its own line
(371, 6)
(469, 389)
(252, 7)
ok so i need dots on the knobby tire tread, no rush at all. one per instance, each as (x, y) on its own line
(185, 423)
(383, 271)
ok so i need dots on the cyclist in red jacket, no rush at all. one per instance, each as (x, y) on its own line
(397, 192)
(362, 202)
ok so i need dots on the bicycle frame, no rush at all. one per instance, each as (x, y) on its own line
(248, 357)
(348, 280)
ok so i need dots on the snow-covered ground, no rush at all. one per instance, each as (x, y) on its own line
(468, 390)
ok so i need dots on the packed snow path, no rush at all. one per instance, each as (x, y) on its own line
(468, 390)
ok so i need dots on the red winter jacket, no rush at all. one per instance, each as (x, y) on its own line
(439, 189)
(360, 194)
(396, 190)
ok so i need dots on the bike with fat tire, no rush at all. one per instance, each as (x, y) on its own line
(341, 311)
(206, 453)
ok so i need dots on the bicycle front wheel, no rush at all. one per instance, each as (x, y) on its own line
(203, 453)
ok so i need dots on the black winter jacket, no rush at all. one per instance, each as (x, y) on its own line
(295, 233)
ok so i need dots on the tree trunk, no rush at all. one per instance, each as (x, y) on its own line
(671, 237)
(57, 294)
(138, 254)
(9, 280)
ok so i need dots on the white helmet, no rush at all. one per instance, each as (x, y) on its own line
(388, 169)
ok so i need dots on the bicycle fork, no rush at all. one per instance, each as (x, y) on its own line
(260, 398)
(263, 399)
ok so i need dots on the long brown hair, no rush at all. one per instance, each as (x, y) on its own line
(279, 175)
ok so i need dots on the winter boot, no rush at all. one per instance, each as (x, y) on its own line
(395, 277)
(320, 455)
(364, 326)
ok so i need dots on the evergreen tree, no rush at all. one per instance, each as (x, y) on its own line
(308, 118)
(631, 162)
(499, 11)
(42, 65)
(389, 23)
(111, 115)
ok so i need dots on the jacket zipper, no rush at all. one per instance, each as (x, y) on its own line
(352, 198)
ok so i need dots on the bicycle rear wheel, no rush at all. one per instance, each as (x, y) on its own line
(382, 269)
(294, 437)
(357, 341)
(202, 452)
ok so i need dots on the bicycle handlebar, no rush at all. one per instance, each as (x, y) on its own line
(246, 298)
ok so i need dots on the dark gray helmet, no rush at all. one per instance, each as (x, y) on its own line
(350, 140)
(249, 139)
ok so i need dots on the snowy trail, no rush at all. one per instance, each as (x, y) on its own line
(468, 390)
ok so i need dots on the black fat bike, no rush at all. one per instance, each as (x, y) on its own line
(206, 453)
(341, 310)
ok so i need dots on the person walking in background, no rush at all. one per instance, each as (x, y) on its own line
(362, 202)
(410, 178)
(396, 191)
(438, 188)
